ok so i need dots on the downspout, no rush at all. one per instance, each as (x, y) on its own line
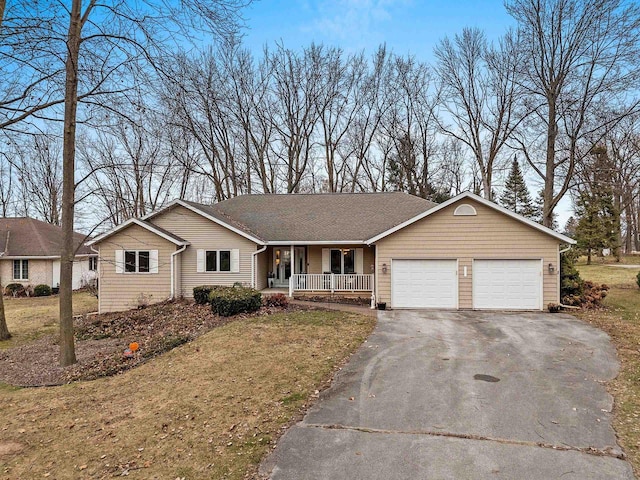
(253, 265)
(173, 281)
(374, 293)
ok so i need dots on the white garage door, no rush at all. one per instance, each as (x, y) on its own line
(507, 284)
(424, 284)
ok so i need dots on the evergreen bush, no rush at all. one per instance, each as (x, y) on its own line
(201, 293)
(228, 301)
(42, 290)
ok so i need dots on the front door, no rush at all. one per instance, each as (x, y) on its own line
(284, 266)
(282, 260)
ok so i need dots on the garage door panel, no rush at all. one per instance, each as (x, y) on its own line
(507, 284)
(424, 284)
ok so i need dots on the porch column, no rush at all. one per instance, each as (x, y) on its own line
(293, 270)
(293, 260)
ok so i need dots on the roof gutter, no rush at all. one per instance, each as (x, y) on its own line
(564, 250)
(253, 265)
(173, 281)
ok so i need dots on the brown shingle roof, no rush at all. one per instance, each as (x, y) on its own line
(24, 236)
(317, 217)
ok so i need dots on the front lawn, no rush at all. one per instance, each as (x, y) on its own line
(208, 409)
(32, 317)
(621, 320)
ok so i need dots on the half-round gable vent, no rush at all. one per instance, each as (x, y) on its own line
(465, 209)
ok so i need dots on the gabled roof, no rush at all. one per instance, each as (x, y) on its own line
(317, 218)
(28, 237)
(483, 201)
(210, 213)
(161, 232)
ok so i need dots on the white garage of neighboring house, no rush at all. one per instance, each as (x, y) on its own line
(31, 254)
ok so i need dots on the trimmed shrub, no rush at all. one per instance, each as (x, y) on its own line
(276, 300)
(228, 301)
(42, 290)
(15, 290)
(201, 293)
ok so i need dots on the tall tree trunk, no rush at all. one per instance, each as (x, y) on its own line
(552, 134)
(588, 256)
(67, 345)
(3, 4)
(617, 225)
(4, 329)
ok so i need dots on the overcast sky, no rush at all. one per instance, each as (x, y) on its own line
(406, 26)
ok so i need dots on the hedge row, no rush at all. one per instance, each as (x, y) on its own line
(228, 301)
(19, 290)
(201, 293)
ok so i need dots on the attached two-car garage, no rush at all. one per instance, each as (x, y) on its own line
(497, 284)
(469, 253)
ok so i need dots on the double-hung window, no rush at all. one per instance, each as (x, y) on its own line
(93, 264)
(21, 269)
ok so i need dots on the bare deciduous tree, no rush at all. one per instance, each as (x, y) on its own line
(479, 96)
(578, 57)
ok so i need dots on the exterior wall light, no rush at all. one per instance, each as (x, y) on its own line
(384, 268)
(551, 268)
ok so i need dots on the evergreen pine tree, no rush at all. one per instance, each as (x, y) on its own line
(516, 195)
(537, 208)
(596, 211)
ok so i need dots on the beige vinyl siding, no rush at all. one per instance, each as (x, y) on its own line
(205, 234)
(40, 272)
(262, 269)
(121, 291)
(489, 234)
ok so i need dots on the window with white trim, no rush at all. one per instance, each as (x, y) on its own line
(464, 210)
(343, 260)
(224, 260)
(93, 264)
(138, 261)
(218, 260)
(21, 269)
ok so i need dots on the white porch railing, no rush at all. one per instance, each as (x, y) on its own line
(321, 282)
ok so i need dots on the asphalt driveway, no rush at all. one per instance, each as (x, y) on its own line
(463, 395)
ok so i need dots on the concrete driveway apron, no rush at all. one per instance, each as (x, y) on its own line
(463, 395)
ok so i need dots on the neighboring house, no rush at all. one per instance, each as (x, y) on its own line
(30, 253)
(466, 253)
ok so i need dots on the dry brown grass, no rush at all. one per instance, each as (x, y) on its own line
(30, 318)
(209, 409)
(621, 321)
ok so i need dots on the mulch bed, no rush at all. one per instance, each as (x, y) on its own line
(363, 301)
(102, 339)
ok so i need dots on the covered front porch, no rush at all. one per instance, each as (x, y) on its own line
(318, 269)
